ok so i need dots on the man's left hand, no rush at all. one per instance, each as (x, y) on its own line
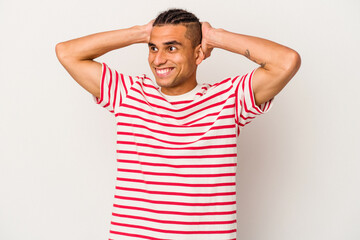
(205, 42)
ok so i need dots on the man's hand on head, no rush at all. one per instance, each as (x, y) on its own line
(148, 28)
(205, 42)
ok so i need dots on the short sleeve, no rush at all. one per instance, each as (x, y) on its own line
(245, 107)
(114, 87)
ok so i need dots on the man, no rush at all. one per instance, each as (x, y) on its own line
(176, 141)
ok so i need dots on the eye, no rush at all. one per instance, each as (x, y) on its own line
(172, 48)
(153, 49)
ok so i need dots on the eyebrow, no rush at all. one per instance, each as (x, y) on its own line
(166, 43)
(172, 43)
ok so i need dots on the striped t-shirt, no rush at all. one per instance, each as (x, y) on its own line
(176, 156)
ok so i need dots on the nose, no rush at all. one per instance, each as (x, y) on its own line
(160, 58)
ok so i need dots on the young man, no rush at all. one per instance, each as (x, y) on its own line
(176, 141)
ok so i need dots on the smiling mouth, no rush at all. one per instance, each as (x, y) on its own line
(163, 72)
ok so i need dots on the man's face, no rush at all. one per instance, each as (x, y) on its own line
(172, 59)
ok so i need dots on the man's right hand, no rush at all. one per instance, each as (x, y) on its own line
(148, 28)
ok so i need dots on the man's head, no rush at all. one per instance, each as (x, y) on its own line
(185, 18)
(175, 50)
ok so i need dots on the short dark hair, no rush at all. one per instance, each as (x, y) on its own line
(177, 16)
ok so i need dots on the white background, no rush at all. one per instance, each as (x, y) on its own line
(298, 171)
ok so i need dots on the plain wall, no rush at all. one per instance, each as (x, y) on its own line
(298, 170)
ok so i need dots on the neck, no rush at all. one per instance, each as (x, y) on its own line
(180, 89)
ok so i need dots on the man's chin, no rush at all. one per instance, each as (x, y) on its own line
(164, 83)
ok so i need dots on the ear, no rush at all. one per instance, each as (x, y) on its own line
(199, 55)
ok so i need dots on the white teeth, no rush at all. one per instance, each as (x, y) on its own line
(163, 71)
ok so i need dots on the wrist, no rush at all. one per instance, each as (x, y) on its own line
(214, 37)
(140, 34)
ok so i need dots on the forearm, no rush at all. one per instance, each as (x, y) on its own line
(95, 45)
(270, 55)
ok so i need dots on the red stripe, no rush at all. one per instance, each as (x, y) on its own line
(181, 102)
(142, 85)
(124, 85)
(246, 118)
(234, 79)
(175, 203)
(133, 125)
(251, 96)
(176, 193)
(149, 86)
(177, 166)
(213, 114)
(244, 97)
(176, 148)
(244, 102)
(109, 91)
(244, 124)
(122, 114)
(135, 235)
(120, 103)
(102, 84)
(176, 184)
(243, 82)
(148, 94)
(173, 222)
(236, 110)
(248, 109)
(268, 104)
(187, 101)
(116, 87)
(197, 103)
(264, 106)
(173, 110)
(176, 156)
(173, 231)
(187, 107)
(176, 213)
(251, 93)
(237, 102)
(176, 143)
(177, 174)
(221, 82)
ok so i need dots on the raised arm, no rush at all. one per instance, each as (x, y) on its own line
(77, 55)
(278, 64)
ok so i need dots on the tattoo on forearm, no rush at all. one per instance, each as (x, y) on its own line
(247, 54)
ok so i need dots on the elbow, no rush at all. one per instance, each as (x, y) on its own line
(60, 51)
(63, 52)
(288, 63)
(294, 62)
(290, 66)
